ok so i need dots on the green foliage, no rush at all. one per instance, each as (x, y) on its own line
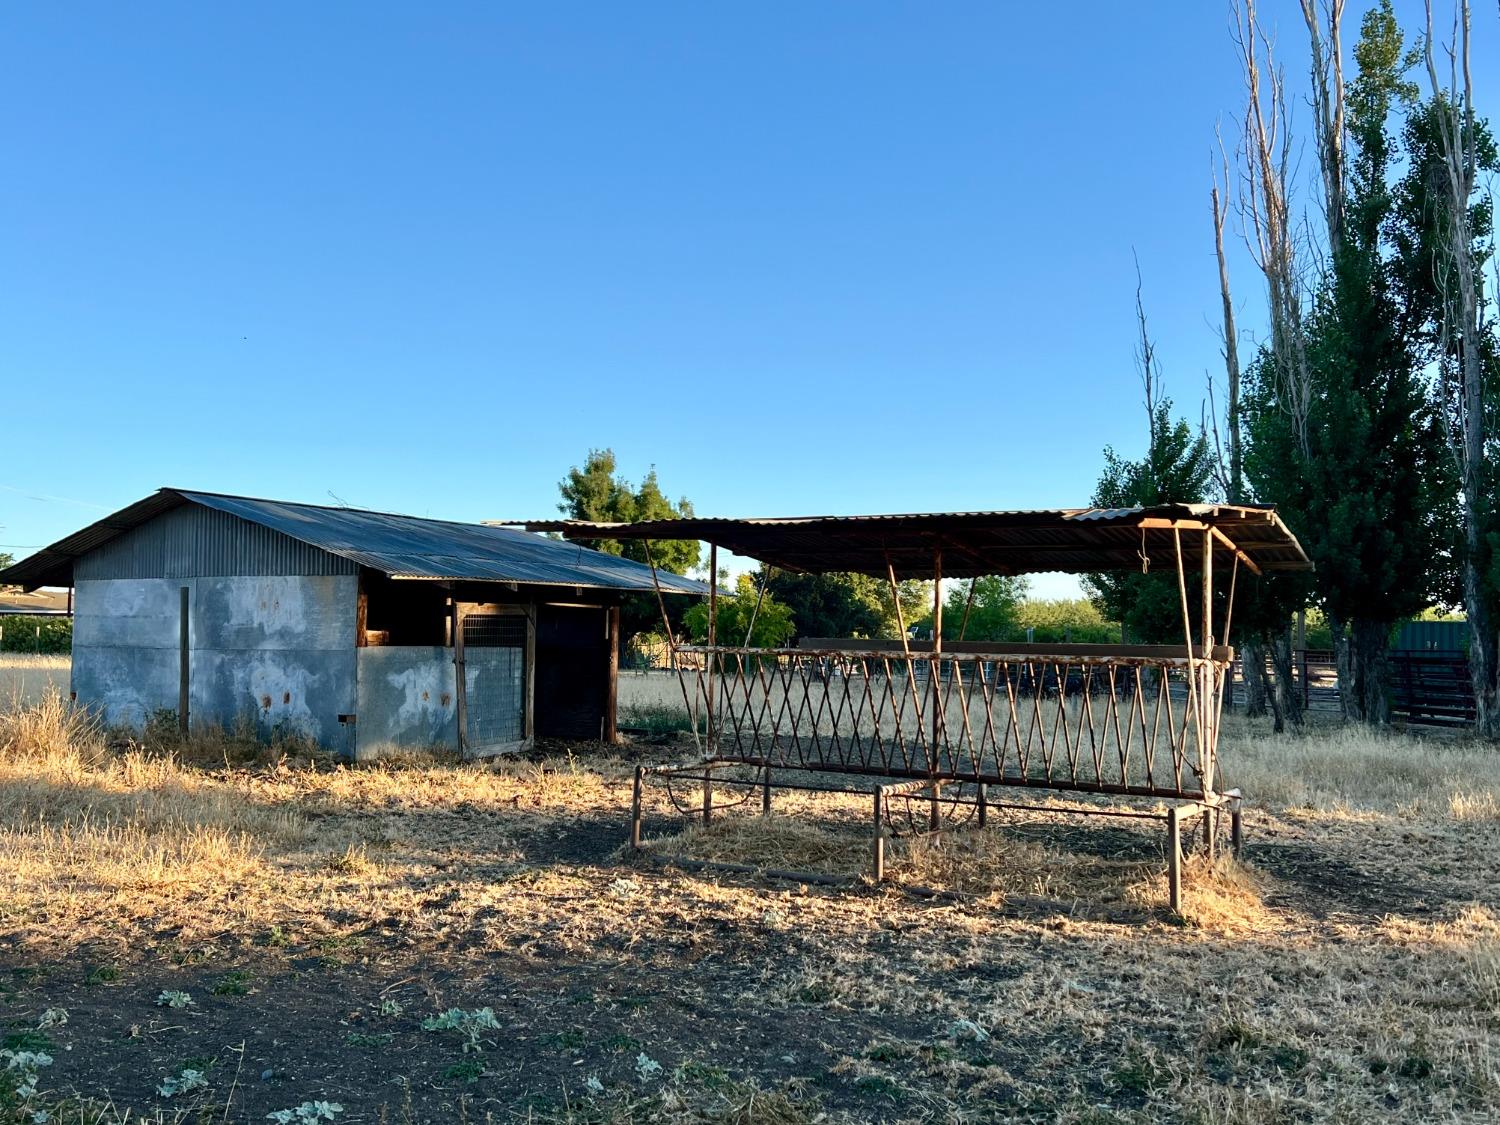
(1067, 620)
(832, 605)
(53, 635)
(597, 492)
(772, 626)
(994, 614)
(1176, 468)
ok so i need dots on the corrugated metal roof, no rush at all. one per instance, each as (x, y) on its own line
(400, 546)
(1074, 540)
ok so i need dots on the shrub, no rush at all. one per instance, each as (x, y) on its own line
(52, 635)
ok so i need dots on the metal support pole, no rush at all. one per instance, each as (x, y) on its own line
(1210, 832)
(635, 808)
(710, 729)
(1236, 830)
(1174, 858)
(877, 843)
(765, 794)
(983, 809)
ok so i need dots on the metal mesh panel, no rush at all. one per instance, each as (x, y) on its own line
(494, 630)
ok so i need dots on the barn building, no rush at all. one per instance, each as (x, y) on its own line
(357, 629)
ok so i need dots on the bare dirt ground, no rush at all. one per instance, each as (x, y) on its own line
(288, 932)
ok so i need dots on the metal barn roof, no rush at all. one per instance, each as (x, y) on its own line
(400, 546)
(1074, 540)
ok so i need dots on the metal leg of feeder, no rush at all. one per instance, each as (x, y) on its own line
(708, 795)
(1236, 829)
(765, 794)
(1210, 831)
(877, 841)
(635, 808)
(982, 809)
(1174, 858)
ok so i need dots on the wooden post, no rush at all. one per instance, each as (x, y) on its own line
(1174, 858)
(635, 809)
(611, 730)
(877, 842)
(936, 678)
(1236, 830)
(184, 659)
(460, 681)
(984, 804)
(765, 793)
(528, 710)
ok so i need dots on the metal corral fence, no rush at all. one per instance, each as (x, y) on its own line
(1426, 687)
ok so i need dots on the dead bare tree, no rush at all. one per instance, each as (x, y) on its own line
(1324, 31)
(1461, 380)
(1264, 199)
(1266, 154)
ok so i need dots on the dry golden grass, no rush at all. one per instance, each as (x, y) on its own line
(1350, 971)
(24, 679)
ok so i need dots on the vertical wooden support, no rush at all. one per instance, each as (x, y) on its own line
(635, 808)
(1174, 858)
(460, 679)
(184, 658)
(1207, 697)
(984, 804)
(1210, 832)
(362, 617)
(933, 750)
(765, 793)
(1236, 829)
(877, 840)
(528, 707)
(611, 730)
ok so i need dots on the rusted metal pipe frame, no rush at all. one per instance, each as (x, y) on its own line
(997, 656)
(1060, 747)
(672, 646)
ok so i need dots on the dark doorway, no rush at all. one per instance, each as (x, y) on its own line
(572, 671)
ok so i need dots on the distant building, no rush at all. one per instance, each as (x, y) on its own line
(356, 629)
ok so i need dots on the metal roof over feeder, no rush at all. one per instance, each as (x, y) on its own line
(975, 544)
(403, 547)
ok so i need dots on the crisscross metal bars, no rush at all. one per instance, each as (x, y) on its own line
(1102, 723)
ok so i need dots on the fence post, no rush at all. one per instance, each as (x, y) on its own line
(1174, 858)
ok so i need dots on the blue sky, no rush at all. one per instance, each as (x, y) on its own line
(801, 258)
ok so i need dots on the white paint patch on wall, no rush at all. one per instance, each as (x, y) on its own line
(425, 693)
(275, 606)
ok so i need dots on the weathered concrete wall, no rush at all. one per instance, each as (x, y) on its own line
(406, 699)
(278, 651)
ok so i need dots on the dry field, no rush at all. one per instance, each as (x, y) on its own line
(216, 931)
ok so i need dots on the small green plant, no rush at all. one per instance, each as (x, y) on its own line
(53, 1017)
(469, 1070)
(467, 1024)
(647, 1068)
(102, 974)
(236, 982)
(308, 1113)
(622, 1043)
(390, 1007)
(27, 1040)
(572, 1040)
(22, 1067)
(172, 998)
(276, 938)
(184, 1083)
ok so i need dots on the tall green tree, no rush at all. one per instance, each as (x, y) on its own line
(598, 492)
(1358, 475)
(746, 613)
(1442, 231)
(994, 613)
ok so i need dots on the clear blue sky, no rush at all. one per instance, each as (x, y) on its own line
(802, 258)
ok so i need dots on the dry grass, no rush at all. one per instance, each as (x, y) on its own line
(25, 679)
(1349, 972)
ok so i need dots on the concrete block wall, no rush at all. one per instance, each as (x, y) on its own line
(278, 651)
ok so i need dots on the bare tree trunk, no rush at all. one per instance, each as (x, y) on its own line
(1253, 662)
(1328, 106)
(1288, 695)
(1370, 659)
(1463, 406)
